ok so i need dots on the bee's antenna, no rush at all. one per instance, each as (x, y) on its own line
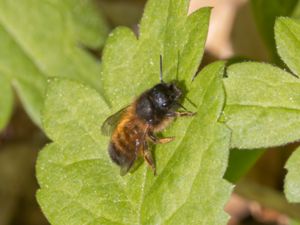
(177, 72)
(181, 106)
(161, 69)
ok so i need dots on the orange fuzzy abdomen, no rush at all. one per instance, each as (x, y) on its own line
(128, 134)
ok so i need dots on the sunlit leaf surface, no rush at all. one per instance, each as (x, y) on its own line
(262, 105)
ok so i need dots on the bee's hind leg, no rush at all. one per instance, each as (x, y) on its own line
(148, 157)
(157, 140)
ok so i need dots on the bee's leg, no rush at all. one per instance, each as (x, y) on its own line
(180, 114)
(157, 140)
(148, 157)
(186, 113)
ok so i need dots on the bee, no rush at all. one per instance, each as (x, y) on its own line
(133, 127)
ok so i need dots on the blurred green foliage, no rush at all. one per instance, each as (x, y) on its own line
(265, 13)
(240, 162)
(41, 39)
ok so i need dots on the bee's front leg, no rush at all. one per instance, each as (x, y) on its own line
(157, 140)
(180, 114)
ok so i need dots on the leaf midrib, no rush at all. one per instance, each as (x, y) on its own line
(204, 94)
(191, 188)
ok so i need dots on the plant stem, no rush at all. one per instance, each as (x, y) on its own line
(268, 197)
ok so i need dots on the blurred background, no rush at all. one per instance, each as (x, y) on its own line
(239, 30)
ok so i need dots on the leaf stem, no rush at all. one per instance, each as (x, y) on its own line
(267, 197)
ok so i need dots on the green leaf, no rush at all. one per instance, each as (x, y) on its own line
(165, 30)
(262, 106)
(265, 13)
(6, 101)
(287, 35)
(40, 39)
(240, 162)
(80, 184)
(296, 12)
(292, 179)
(294, 222)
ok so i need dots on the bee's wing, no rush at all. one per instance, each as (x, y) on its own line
(140, 145)
(111, 122)
(125, 168)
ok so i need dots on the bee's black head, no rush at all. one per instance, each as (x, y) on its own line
(164, 96)
(154, 104)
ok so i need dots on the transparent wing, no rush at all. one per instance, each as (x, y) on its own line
(111, 122)
(124, 169)
(128, 166)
